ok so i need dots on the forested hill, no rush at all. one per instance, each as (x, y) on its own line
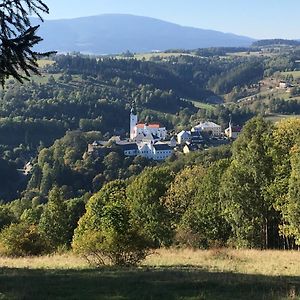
(274, 42)
(116, 33)
(81, 94)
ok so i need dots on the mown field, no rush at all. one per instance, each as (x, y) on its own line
(168, 274)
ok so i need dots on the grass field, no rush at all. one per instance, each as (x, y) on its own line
(278, 117)
(45, 62)
(202, 105)
(149, 56)
(296, 74)
(168, 274)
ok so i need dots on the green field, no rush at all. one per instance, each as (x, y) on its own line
(149, 56)
(202, 105)
(169, 274)
(278, 117)
(296, 74)
(45, 62)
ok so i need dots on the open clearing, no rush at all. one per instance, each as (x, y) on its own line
(295, 74)
(168, 274)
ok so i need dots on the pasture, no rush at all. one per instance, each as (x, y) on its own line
(167, 274)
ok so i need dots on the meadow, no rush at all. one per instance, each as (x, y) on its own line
(167, 274)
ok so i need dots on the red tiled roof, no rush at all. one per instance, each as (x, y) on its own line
(152, 125)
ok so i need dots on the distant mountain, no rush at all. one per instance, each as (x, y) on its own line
(117, 33)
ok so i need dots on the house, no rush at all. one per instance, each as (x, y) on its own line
(129, 149)
(183, 137)
(162, 151)
(283, 84)
(196, 137)
(28, 168)
(189, 147)
(145, 149)
(208, 127)
(173, 142)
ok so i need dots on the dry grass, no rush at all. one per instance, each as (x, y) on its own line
(273, 263)
(270, 263)
(55, 261)
(221, 274)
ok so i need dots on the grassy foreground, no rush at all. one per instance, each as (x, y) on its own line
(168, 274)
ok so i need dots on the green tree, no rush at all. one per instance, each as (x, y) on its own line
(245, 183)
(182, 191)
(148, 212)
(6, 217)
(203, 224)
(285, 139)
(105, 233)
(54, 220)
(291, 210)
(22, 239)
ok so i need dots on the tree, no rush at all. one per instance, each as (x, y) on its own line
(105, 234)
(22, 239)
(244, 186)
(6, 217)
(291, 210)
(182, 191)
(54, 220)
(17, 37)
(148, 212)
(203, 224)
(284, 153)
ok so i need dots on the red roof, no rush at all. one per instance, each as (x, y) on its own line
(152, 125)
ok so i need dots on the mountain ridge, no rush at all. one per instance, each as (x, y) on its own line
(117, 33)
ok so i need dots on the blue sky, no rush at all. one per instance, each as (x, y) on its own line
(254, 18)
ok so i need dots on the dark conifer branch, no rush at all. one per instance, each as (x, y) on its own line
(18, 37)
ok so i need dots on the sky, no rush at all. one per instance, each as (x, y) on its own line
(254, 18)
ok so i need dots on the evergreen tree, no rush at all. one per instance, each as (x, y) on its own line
(17, 37)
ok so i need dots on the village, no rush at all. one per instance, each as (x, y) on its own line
(152, 141)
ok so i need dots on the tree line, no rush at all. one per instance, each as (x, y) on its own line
(246, 197)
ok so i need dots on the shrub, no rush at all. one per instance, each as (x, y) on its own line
(105, 234)
(22, 240)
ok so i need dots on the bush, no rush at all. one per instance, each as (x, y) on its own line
(22, 240)
(105, 234)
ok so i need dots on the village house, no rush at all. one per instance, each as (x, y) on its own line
(208, 127)
(284, 84)
(183, 137)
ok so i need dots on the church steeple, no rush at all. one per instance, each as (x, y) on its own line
(133, 122)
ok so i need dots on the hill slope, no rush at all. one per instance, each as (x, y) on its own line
(115, 33)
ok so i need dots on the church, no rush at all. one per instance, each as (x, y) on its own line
(145, 129)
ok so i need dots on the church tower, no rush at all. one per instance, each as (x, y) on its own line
(133, 122)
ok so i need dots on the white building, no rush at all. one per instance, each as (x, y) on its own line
(208, 127)
(232, 132)
(147, 149)
(161, 151)
(133, 122)
(183, 137)
(144, 128)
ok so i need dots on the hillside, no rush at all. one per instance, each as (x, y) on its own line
(116, 33)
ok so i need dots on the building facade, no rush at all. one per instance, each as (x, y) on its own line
(208, 127)
(145, 129)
